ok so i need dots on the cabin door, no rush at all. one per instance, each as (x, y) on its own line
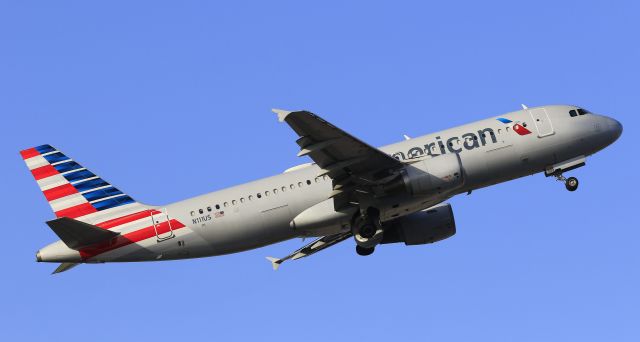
(542, 122)
(162, 225)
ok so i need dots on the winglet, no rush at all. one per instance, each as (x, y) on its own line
(275, 262)
(282, 114)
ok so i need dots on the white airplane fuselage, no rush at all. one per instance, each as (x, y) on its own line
(279, 208)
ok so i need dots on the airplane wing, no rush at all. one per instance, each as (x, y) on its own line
(354, 166)
(314, 247)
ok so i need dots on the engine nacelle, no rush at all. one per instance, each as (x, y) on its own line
(441, 174)
(427, 226)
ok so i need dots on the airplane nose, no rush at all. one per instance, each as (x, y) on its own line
(615, 127)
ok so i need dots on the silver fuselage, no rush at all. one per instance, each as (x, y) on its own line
(260, 213)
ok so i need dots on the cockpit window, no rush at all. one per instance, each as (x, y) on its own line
(573, 113)
(583, 111)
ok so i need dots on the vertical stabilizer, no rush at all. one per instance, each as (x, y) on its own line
(71, 189)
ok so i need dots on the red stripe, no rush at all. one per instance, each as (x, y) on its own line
(76, 211)
(126, 219)
(28, 153)
(127, 239)
(44, 172)
(59, 192)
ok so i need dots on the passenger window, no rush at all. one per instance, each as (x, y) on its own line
(292, 186)
(284, 188)
(250, 197)
(217, 206)
(275, 191)
(317, 179)
(241, 199)
(266, 193)
(299, 184)
(573, 113)
(193, 213)
(308, 182)
(208, 208)
(226, 204)
(200, 211)
(259, 195)
(234, 202)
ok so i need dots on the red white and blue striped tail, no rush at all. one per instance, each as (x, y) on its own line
(72, 190)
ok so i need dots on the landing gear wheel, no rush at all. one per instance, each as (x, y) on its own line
(364, 251)
(571, 184)
(368, 230)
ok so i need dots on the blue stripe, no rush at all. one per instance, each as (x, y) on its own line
(44, 149)
(68, 166)
(102, 193)
(78, 175)
(55, 157)
(90, 184)
(112, 203)
(503, 120)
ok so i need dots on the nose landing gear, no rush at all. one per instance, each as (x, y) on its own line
(570, 183)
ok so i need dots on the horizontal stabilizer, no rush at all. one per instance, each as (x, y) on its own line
(65, 266)
(76, 234)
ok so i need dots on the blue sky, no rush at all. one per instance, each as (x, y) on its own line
(169, 100)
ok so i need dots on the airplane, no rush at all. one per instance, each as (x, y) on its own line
(393, 194)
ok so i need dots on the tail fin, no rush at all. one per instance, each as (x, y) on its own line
(72, 190)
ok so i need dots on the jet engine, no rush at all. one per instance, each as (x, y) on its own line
(441, 174)
(427, 226)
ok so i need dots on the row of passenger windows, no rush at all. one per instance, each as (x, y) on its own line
(579, 111)
(259, 195)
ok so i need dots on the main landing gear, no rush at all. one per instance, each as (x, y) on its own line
(570, 183)
(367, 231)
(364, 251)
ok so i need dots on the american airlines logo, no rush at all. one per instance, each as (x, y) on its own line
(455, 144)
(517, 127)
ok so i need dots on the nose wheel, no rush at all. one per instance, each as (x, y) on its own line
(570, 183)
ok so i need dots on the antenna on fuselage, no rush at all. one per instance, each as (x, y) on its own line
(406, 137)
(524, 106)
